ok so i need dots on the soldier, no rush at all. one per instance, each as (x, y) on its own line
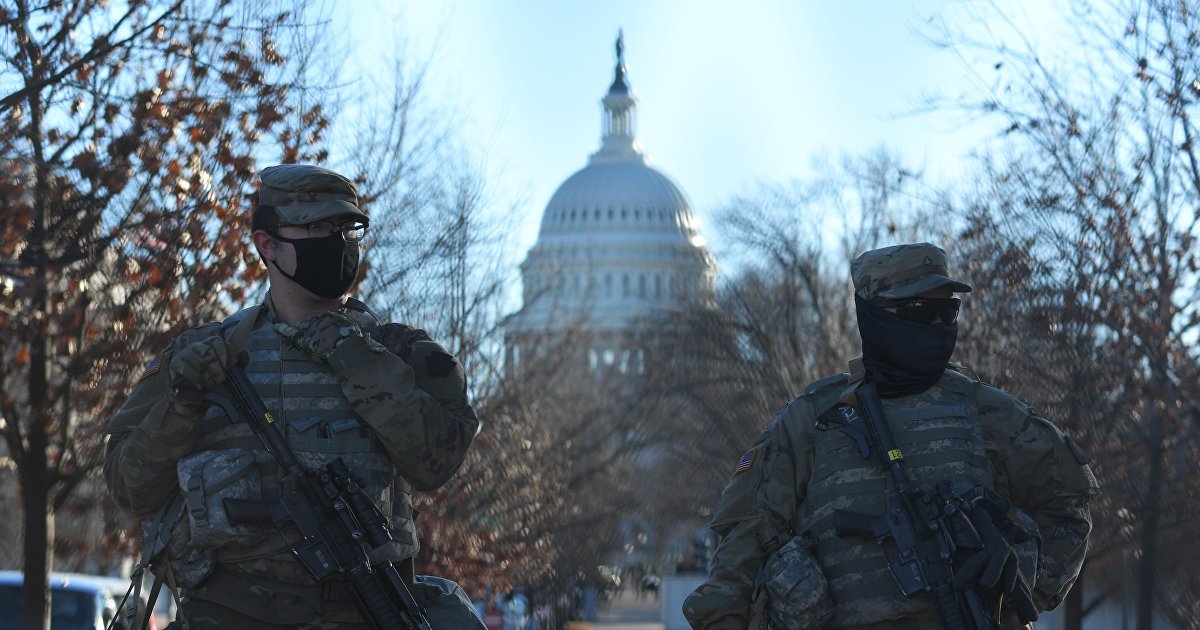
(340, 382)
(776, 516)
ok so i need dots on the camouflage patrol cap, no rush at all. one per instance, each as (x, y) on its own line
(902, 271)
(297, 194)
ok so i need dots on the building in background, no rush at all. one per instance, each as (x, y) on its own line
(618, 246)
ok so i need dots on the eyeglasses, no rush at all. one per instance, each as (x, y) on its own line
(352, 231)
(925, 310)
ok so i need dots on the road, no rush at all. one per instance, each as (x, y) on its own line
(626, 612)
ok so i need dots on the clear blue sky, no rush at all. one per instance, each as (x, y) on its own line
(730, 94)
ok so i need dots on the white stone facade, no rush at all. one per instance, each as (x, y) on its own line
(618, 242)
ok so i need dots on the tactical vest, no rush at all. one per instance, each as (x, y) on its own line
(307, 401)
(939, 433)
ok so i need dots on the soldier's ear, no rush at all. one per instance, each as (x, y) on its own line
(265, 244)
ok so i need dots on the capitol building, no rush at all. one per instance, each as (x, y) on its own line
(618, 246)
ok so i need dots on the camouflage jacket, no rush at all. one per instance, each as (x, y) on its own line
(418, 415)
(1027, 458)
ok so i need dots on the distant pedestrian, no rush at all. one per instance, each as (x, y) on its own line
(516, 609)
(650, 584)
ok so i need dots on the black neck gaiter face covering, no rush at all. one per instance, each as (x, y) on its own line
(902, 357)
(326, 266)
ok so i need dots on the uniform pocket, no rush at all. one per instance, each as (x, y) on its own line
(206, 479)
(796, 587)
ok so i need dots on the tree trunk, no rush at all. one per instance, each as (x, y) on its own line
(38, 535)
(1073, 605)
(34, 472)
(1149, 561)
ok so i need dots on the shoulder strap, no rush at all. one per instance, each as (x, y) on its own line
(244, 322)
(152, 598)
(154, 550)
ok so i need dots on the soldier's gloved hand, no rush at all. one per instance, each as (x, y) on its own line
(995, 566)
(321, 334)
(435, 370)
(199, 367)
(399, 339)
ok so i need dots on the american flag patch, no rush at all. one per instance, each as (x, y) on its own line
(151, 369)
(745, 463)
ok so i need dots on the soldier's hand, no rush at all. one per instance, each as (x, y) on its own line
(321, 334)
(399, 339)
(995, 566)
(199, 366)
(437, 372)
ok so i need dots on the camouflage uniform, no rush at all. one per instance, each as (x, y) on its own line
(387, 400)
(796, 476)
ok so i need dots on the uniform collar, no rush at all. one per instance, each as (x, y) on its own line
(858, 373)
(858, 370)
(272, 315)
(269, 309)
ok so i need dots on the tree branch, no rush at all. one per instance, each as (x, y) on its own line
(95, 54)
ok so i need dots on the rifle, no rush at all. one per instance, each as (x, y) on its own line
(922, 528)
(329, 510)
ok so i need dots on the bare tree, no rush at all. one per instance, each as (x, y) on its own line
(1091, 214)
(127, 139)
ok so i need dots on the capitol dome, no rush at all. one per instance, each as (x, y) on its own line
(618, 241)
(614, 184)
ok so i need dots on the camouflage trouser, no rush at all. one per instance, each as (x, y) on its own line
(205, 615)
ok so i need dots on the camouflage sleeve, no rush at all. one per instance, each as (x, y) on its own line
(1049, 478)
(146, 437)
(418, 408)
(755, 513)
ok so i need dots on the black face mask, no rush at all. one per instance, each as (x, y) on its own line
(902, 357)
(327, 266)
